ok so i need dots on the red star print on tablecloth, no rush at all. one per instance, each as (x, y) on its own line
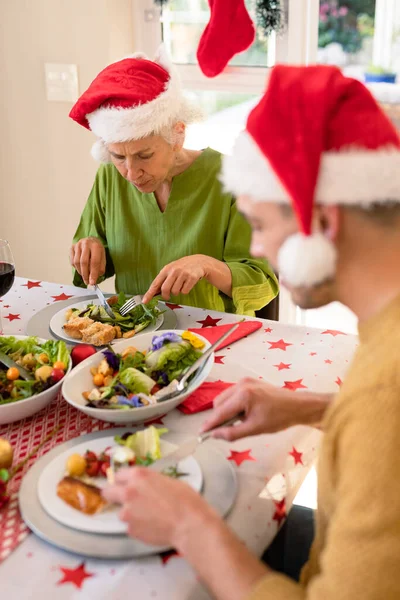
(239, 457)
(12, 317)
(32, 284)
(75, 576)
(328, 361)
(268, 330)
(294, 385)
(339, 381)
(333, 332)
(208, 322)
(313, 354)
(61, 297)
(283, 366)
(6, 305)
(173, 306)
(166, 556)
(297, 456)
(279, 345)
(219, 360)
(280, 511)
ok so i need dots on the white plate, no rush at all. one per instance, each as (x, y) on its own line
(106, 522)
(80, 380)
(58, 321)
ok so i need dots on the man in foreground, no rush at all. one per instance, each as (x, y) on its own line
(317, 173)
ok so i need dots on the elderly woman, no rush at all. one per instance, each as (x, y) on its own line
(157, 217)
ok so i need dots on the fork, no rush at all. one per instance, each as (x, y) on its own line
(130, 304)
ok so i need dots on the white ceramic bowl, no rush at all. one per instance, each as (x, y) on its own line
(28, 407)
(80, 380)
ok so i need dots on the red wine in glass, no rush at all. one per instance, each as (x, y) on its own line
(7, 272)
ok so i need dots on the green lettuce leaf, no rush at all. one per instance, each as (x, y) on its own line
(136, 381)
(145, 443)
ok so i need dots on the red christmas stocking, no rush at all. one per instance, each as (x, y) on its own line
(229, 32)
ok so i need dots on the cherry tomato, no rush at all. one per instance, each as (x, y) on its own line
(155, 389)
(89, 455)
(57, 374)
(92, 468)
(12, 373)
(59, 365)
(103, 468)
(132, 462)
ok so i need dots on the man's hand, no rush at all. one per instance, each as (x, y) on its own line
(88, 257)
(267, 409)
(159, 510)
(178, 277)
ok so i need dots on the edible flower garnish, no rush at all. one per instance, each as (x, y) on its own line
(159, 340)
(193, 339)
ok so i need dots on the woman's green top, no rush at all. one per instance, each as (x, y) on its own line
(199, 219)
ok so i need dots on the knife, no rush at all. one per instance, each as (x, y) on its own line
(9, 363)
(104, 302)
(190, 446)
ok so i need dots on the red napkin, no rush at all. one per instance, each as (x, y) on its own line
(213, 333)
(203, 397)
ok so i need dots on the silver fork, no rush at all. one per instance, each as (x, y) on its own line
(130, 305)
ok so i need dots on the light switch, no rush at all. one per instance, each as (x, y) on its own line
(61, 82)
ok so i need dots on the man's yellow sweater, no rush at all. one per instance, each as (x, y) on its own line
(356, 550)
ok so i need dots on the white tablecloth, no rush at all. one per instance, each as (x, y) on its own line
(287, 356)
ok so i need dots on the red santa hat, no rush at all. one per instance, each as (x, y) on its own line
(131, 99)
(316, 137)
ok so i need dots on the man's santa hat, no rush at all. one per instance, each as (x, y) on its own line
(316, 137)
(131, 99)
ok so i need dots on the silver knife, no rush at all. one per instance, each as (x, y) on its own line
(104, 302)
(190, 446)
(10, 363)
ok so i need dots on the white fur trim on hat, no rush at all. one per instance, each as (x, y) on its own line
(354, 176)
(124, 124)
(100, 153)
(306, 260)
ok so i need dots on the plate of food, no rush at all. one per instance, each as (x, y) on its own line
(69, 488)
(88, 323)
(35, 379)
(126, 383)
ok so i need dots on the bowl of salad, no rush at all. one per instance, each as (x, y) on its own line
(126, 383)
(45, 361)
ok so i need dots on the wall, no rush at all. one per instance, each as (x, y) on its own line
(46, 170)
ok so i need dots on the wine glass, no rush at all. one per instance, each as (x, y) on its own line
(7, 273)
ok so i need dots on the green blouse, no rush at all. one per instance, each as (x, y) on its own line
(199, 219)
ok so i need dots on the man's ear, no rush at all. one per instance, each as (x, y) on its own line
(327, 219)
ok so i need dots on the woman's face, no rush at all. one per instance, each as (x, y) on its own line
(145, 163)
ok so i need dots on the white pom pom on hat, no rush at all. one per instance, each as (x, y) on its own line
(100, 153)
(306, 142)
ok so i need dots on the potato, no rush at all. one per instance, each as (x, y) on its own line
(6, 454)
(76, 465)
(43, 373)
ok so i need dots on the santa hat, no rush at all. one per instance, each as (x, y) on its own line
(316, 137)
(131, 99)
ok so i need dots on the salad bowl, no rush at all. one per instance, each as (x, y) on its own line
(26, 407)
(80, 381)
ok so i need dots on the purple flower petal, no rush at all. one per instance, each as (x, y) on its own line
(112, 359)
(159, 340)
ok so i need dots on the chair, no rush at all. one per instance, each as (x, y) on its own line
(271, 311)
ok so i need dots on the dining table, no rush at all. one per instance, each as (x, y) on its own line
(269, 468)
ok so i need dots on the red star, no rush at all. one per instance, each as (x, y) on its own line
(12, 317)
(280, 511)
(239, 457)
(283, 366)
(279, 345)
(339, 381)
(294, 385)
(219, 360)
(268, 330)
(208, 322)
(32, 284)
(75, 576)
(328, 361)
(297, 456)
(313, 354)
(173, 306)
(6, 305)
(155, 421)
(61, 297)
(333, 332)
(166, 556)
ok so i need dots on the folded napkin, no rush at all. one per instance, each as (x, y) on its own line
(212, 334)
(203, 397)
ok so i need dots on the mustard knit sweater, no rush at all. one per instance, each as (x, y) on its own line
(356, 550)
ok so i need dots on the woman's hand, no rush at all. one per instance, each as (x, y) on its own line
(267, 409)
(180, 276)
(88, 257)
(159, 510)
